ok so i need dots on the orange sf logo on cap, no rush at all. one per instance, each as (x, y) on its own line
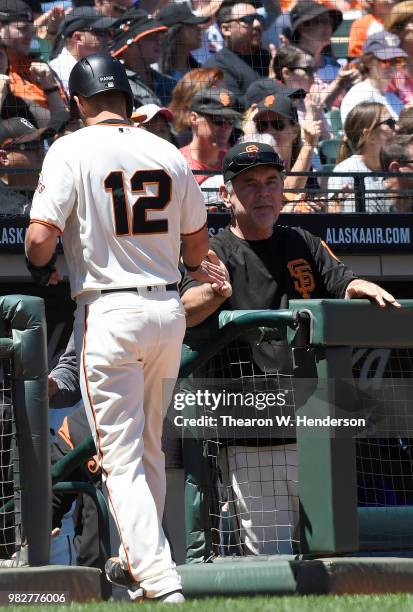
(269, 100)
(225, 98)
(251, 149)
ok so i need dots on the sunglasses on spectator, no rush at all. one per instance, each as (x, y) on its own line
(276, 124)
(219, 120)
(394, 62)
(249, 159)
(309, 70)
(248, 20)
(391, 122)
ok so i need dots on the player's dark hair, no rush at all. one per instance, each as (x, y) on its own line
(397, 149)
(360, 121)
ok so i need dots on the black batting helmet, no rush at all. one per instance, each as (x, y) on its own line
(97, 73)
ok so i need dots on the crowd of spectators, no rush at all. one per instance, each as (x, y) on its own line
(206, 74)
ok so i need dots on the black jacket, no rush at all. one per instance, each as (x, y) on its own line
(240, 70)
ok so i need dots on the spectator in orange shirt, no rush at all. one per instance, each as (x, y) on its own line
(371, 23)
(212, 119)
(40, 97)
(400, 22)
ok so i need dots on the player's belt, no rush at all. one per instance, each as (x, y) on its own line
(170, 287)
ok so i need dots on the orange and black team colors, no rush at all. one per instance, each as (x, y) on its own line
(122, 199)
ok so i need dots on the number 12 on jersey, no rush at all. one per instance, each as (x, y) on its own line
(140, 224)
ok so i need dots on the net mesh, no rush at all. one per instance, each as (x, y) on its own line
(253, 505)
(9, 468)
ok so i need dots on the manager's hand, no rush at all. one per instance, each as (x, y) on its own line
(359, 288)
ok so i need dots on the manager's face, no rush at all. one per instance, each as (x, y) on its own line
(256, 199)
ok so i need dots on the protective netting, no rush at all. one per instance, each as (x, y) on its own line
(253, 505)
(9, 467)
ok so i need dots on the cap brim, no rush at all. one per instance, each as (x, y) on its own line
(219, 112)
(392, 53)
(272, 109)
(145, 117)
(335, 16)
(195, 20)
(118, 47)
(228, 176)
(103, 23)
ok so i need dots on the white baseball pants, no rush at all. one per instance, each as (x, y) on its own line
(130, 343)
(263, 495)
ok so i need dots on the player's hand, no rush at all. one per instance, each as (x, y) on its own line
(42, 74)
(213, 271)
(55, 278)
(360, 288)
(221, 286)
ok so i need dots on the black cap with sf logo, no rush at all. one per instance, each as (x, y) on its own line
(247, 155)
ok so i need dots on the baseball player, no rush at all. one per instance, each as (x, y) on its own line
(123, 199)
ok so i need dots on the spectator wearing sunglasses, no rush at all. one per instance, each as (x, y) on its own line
(371, 23)
(276, 115)
(400, 22)
(295, 68)
(312, 26)
(184, 91)
(212, 117)
(84, 31)
(242, 59)
(368, 127)
(382, 57)
(396, 155)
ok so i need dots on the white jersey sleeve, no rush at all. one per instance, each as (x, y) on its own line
(193, 211)
(55, 194)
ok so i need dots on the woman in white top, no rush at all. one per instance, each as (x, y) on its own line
(368, 126)
(382, 57)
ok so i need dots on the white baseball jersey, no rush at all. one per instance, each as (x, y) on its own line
(122, 197)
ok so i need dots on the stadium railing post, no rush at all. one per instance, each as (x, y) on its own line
(25, 318)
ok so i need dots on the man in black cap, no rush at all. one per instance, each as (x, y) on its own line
(265, 265)
(21, 146)
(83, 31)
(242, 59)
(32, 84)
(253, 183)
(212, 117)
(137, 44)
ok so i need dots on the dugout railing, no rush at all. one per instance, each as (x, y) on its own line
(336, 474)
(345, 506)
(25, 504)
